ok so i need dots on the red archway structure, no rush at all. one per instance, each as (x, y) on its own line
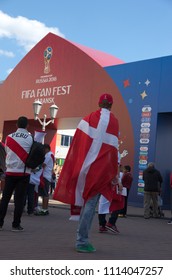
(67, 74)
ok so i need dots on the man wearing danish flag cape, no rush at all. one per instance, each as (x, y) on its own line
(90, 166)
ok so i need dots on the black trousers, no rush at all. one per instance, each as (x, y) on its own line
(30, 198)
(112, 219)
(17, 184)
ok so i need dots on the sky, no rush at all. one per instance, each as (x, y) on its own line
(131, 30)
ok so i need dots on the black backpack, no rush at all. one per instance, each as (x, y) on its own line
(36, 155)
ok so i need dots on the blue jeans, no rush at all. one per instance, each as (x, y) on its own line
(85, 221)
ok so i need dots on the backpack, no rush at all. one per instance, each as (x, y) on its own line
(36, 155)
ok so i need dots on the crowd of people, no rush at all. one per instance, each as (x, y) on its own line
(92, 175)
(24, 184)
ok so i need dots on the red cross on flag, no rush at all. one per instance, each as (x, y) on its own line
(92, 160)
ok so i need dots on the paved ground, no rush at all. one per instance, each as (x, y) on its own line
(52, 238)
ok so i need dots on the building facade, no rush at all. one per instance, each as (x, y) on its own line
(73, 77)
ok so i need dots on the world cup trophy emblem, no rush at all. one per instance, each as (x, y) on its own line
(47, 57)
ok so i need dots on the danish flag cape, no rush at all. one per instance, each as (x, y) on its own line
(92, 160)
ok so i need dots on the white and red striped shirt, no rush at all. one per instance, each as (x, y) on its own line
(17, 146)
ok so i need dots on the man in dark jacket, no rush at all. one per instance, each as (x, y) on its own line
(152, 179)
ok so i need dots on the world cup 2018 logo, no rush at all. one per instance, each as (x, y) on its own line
(47, 57)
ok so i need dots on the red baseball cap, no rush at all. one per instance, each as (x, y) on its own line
(107, 97)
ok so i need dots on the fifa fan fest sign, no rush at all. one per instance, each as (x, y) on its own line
(46, 94)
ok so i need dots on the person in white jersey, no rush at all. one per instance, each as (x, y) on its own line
(43, 191)
(17, 146)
